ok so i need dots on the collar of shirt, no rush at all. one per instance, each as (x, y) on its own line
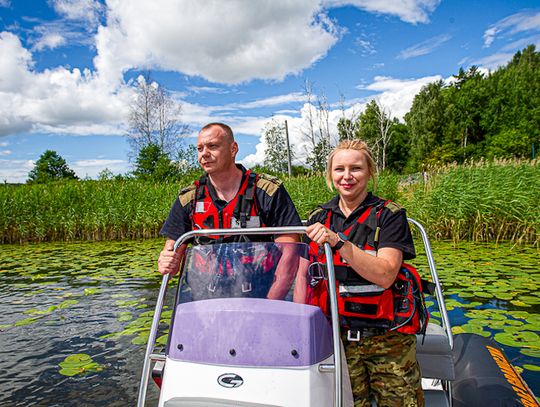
(338, 221)
(220, 203)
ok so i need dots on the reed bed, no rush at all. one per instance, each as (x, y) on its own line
(484, 201)
(480, 202)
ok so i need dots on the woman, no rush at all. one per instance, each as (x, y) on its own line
(370, 238)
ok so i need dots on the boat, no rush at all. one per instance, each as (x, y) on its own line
(242, 334)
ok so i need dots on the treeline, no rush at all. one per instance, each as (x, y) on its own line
(486, 201)
(477, 115)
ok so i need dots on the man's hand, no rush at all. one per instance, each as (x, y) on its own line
(169, 260)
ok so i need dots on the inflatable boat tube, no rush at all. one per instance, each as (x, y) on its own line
(485, 377)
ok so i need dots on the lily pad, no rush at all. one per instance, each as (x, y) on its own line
(532, 352)
(533, 368)
(79, 363)
(517, 339)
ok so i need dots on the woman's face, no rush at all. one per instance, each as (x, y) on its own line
(350, 173)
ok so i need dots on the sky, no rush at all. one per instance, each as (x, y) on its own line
(68, 68)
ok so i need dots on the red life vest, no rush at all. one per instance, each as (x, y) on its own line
(362, 304)
(240, 212)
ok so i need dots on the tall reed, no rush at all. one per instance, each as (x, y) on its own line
(482, 201)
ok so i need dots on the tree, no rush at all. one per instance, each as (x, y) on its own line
(152, 164)
(50, 167)
(154, 119)
(374, 128)
(275, 152)
(426, 121)
(319, 156)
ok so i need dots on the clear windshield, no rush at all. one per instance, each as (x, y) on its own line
(278, 271)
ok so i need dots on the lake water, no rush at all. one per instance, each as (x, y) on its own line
(96, 300)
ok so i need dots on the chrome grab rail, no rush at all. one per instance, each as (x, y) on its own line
(336, 368)
(234, 232)
(435, 277)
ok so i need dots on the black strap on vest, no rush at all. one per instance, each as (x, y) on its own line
(242, 210)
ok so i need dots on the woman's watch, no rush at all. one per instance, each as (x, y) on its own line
(342, 238)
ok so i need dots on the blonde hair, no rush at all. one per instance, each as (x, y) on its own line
(355, 144)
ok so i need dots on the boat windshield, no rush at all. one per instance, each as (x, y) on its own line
(277, 271)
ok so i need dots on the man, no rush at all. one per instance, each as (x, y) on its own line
(224, 198)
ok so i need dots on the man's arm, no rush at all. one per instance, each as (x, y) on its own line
(169, 260)
(286, 268)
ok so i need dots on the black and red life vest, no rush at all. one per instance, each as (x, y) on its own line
(241, 212)
(362, 304)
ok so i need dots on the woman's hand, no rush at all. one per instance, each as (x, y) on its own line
(320, 234)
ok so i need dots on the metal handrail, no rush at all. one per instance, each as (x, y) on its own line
(235, 232)
(435, 277)
(332, 292)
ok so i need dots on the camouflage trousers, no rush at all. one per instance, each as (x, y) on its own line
(384, 367)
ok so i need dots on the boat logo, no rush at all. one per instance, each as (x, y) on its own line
(230, 380)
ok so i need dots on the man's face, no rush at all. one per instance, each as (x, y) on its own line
(215, 151)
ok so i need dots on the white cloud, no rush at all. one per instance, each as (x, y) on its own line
(5, 3)
(92, 167)
(51, 40)
(395, 95)
(207, 89)
(494, 61)
(5, 152)
(81, 10)
(15, 171)
(410, 11)
(516, 23)
(366, 47)
(58, 100)
(264, 41)
(270, 101)
(424, 47)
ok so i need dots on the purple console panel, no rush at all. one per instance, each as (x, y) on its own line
(250, 332)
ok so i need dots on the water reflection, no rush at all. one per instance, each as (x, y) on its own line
(96, 298)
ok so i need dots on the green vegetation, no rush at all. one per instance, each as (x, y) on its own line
(485, 201)
(476, 115)
(50, 167)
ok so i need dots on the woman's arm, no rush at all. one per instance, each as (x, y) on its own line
(381, 269)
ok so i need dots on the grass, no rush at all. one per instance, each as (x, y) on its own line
(485, 201)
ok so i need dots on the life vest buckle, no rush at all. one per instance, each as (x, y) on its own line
(357, 336)
(246, 287)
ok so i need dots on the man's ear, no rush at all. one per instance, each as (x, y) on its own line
(234, 149)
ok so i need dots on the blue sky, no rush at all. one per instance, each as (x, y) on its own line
(68, 67)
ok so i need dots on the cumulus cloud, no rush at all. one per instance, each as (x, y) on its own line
(58, 100)
(395, 95)
(424, 47)
(267, 41)
(516, 23)
(410, 11)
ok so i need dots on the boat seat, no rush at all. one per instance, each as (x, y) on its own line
(434, 354)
